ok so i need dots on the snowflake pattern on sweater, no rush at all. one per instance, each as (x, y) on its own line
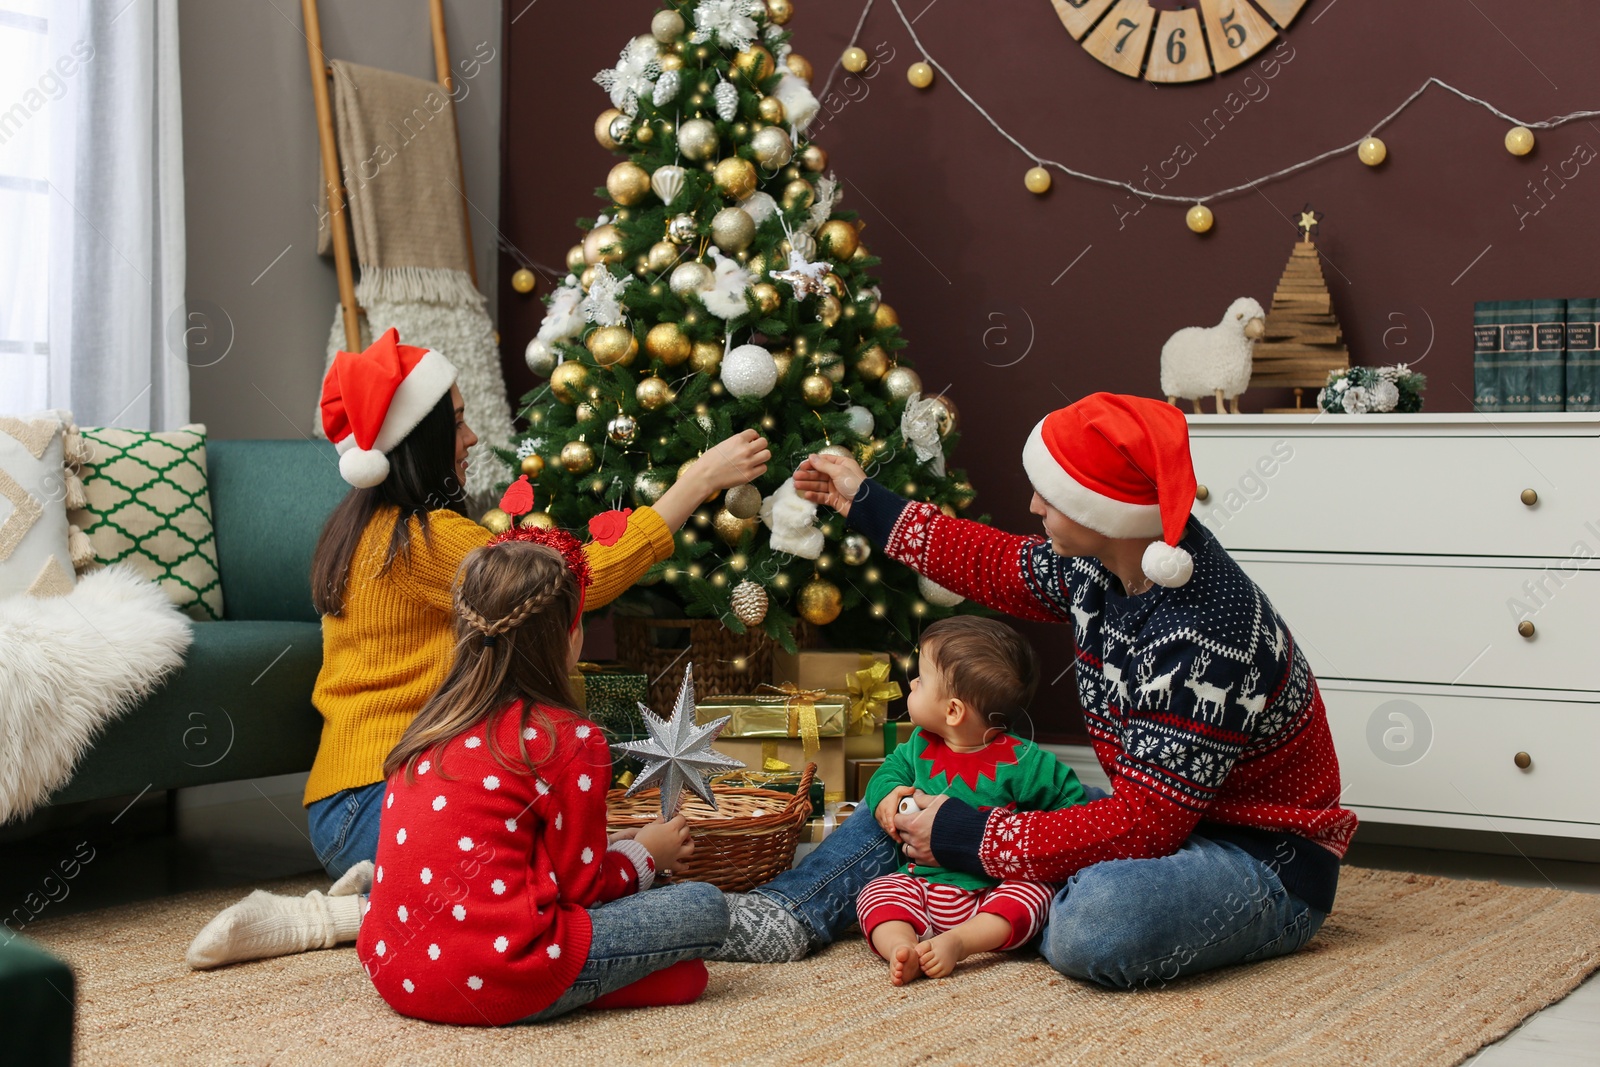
(477, 913)
(1198, 702)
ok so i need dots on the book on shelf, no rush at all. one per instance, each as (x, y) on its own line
(1486, 356)
(1582, 355)
(1547, 385)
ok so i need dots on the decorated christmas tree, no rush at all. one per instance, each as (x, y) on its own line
(721, 288)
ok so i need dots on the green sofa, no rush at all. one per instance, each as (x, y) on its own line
(240, 707)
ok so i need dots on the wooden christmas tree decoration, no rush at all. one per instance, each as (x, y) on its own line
(1303, 341)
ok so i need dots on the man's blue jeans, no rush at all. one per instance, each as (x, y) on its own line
(638, 935)
(1122, 923)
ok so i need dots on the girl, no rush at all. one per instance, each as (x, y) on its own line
(381, 580)
(489, 903)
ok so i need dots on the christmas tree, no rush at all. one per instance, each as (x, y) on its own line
(720, 289)
(1302, 341)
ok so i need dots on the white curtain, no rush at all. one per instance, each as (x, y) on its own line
(103, 154)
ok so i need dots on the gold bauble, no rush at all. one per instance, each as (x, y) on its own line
(602, 129)
(772, 148)
(533, 465)
(1199, 218)
(735, 177)
(568, 381)
(949, 417)
(780, 11)
(964, 495)
(602, 245)
(885, 317)
(834, 284)
(706, 357)
(814, 158)
(798, 194)
(586, 279)
(537, 520)
(873, 363)
(854, 60)
(1372, 151)
(586, 412)
(666, 342)
(783, 359)
(628, 183)
(697, 140)
(648, 485)
(690, 277)
(820, 602)
(666, 26)
(577, 457)
(834, 372)
(731, 528)
(645, 134)
(653, 394)
(1519, 140)
(767, 297)
(770, 108)
(732, 229)
(612, 344)
(901, 382)
(1037, 180)
(799, 66)
(816, 390)
(828, 312)
(743, 501)
(495, 521)
(756, 64)
(662, 255)
(839, 238)
(920, 75)
(860, 253)
(576, 260)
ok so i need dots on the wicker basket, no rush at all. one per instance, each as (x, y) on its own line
(725, 663)
(747, 841)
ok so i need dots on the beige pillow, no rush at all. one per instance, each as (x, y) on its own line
(148, 503)
(35, 554)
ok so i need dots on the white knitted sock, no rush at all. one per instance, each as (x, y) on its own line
(357, 879)
(263, 925)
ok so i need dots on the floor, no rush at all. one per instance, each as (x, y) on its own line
(243, 833)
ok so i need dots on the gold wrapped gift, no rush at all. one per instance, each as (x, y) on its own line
(786, 712)
(864, 676)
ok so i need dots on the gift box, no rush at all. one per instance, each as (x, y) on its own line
(609, 694)
(863, 675)
(788, 754)
(779, 713)
(820, 826)
(780, 781)
(858, 772)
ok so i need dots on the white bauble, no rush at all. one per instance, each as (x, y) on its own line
(936, 594)
(749, 371)
(541, 357)
(861, 422)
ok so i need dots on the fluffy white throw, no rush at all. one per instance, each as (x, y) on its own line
(72, 664)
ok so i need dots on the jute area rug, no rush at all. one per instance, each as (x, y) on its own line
(1411, 969)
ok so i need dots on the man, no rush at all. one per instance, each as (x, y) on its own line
(1221, 838)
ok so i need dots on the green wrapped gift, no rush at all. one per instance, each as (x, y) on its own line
(610, 695)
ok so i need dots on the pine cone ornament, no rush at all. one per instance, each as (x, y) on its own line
(749, 602)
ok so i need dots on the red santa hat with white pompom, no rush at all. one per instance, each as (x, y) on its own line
(372, 399)
(1120, 466)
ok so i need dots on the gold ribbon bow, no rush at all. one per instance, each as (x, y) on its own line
(802, 707)
(870, 692)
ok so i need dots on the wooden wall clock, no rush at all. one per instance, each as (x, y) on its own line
(1182, 41)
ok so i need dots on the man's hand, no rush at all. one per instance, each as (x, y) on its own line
(916, 828)
(889, 807)
(828, 479)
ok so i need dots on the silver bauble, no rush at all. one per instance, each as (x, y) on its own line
(732, 230)
(666, 26)
(541, 358)
(901, 382)
(772, 148)
(861, 422)
(691, 277)
(749, 371)
(622, 429)
(936, 594)
(697, 140)
(649, 485)
(855, 549)
(681, 229)
(667, 182)
(744, 501)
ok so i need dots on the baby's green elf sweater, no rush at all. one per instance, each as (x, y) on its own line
(1008, 771)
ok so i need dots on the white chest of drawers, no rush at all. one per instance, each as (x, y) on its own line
(1442, 574)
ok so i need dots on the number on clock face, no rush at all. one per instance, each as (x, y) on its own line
(1188, 44)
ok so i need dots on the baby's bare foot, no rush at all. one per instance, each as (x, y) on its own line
(939, 955)
(904, 965)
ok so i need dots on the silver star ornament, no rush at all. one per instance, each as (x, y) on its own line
(678, 753)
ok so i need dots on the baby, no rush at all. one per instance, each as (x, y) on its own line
(974, 673)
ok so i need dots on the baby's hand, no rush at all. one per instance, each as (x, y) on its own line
(889, 807)
(667, 842)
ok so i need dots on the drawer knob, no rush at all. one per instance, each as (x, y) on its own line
(1529, 497)
(1202, 493)
(1525, 627)
(1522, 760)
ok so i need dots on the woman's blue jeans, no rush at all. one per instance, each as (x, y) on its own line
(344, 827)
(1122, 923)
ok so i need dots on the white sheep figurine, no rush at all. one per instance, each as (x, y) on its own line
(1200, 361)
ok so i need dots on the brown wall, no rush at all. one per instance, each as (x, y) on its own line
(975, 264)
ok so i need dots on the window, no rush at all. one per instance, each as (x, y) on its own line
(29, 86)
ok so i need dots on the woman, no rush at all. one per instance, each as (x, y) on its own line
(382, 579)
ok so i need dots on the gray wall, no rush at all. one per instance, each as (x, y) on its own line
(251, 171)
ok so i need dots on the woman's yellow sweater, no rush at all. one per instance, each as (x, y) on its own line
(391, 646)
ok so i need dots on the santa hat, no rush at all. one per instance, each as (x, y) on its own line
(372, 399)
(1120, 466)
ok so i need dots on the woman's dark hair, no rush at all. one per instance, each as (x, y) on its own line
(422, 478)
